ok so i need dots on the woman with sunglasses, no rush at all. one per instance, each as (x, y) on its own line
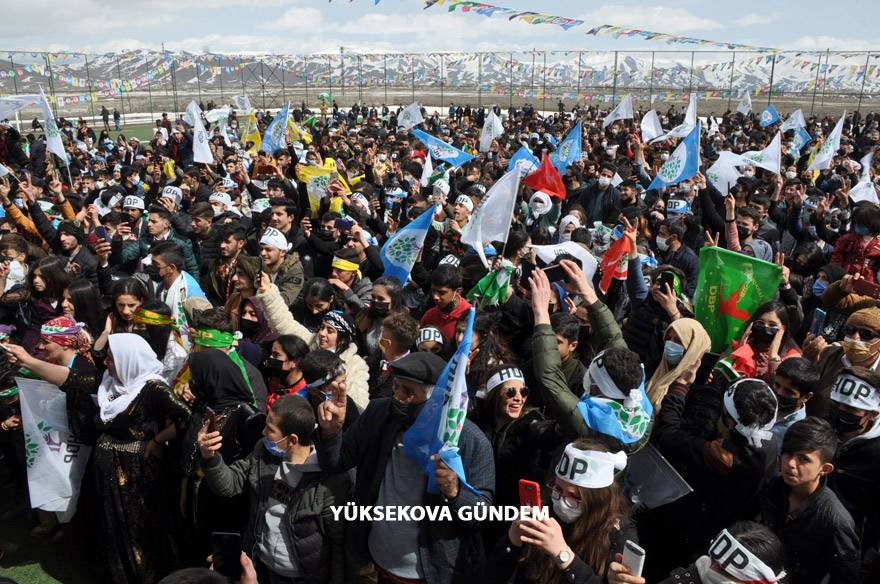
(588, 526)
(765, 342)
(520, 437)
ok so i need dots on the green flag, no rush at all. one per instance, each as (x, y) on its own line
(730, 287)
(491, 290)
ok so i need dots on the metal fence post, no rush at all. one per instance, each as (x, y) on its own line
(241, 75)
(532, 88)
(691, 79)
(510, 82)
(360, 79)
(442, 77)
(14, 72)
(825, 75)
(198, 79)
(89, 82)
(385, 75)
(150, 96)
(864, 77)
(730, 84)
(220, 66)
(577, 96)
(479, 79)
(342, 70)
(174, 82)
(816, 85)
(651, 83)
(772, 73)
(412, 74)
(544, 86)
(614, 79)
(54, 103)
(121, 98)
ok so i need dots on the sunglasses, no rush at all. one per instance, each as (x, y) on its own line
(512, 391)
(864, 334)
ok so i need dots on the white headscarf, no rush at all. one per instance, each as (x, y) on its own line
(135, 363)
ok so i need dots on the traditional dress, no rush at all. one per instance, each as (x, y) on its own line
(134, 406)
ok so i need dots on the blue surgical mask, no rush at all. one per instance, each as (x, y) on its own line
(673, 352)
(861, 230)
(819, 288)
(272, 448)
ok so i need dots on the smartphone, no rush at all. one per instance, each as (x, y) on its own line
(226, 551)
(866, 288)
(556, 273)
(102, 232)
(529, 494)
(633, 558)
(93, 239)
(211, 416)
(818, 322)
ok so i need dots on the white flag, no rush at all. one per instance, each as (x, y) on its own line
(410, 117)
(427, 170)
(201, 148)
(864, 190)
(549, 253)
(689, 123)
(616, 180)
(10, 104)
(3, 171)
(53, 136)
(770, 158)
(823, 158)
(491, 219)
(724, 173)
(794, 121)
(713, 126)
(651, 127)
(623, 111)
(745, 104)
(242, 103)
(55, 461)
(220, 117)
(492, 128)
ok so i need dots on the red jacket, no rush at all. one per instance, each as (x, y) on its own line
(445, 321)
(856, 256)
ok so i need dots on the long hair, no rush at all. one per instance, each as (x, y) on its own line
(790, 321)
(52, 272)
(86, 305)
(127, 287)
(590, 535)
(492, 348)
(157, 334)
(365, 319)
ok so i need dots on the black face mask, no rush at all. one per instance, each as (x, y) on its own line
(248, 327)
(787, 404)
(743, 232)
(380, 308)
(405, 414)
(844, 422)
(153, 273)
(762, 333)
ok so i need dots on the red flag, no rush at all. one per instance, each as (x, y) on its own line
(615, 263)
(546, 179)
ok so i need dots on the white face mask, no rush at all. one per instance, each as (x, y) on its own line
(684, 188)
(604, 182)
(790, 174)
(382, 157)
(664, 157)
(749, 173)
(565, 236)
(661, 243)
(565, 513)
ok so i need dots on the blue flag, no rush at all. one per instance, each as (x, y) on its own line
(683, 164)
(440, 150)
(569, 149)
(439, 424)
(525, 160)
(401, 250)
(769, 116)
(274, 138)
(801, 138)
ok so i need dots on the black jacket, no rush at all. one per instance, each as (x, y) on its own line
(819, 538)
(856, 482)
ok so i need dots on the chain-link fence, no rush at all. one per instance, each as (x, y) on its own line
(149, 82)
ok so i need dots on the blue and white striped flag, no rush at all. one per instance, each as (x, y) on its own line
(441, 150)
(401, 250)
(439, 424)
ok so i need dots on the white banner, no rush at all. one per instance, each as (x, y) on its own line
(55, 461)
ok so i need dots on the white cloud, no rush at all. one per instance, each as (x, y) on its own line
(823, 42)
(655, 18)
(756, 19)
(296, 19)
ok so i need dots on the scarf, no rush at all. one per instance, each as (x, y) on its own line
(135, 364)
(69, 334)
(214, 339)
(174, 297)
(696, 342)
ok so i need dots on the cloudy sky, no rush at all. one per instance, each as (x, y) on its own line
(296, 26)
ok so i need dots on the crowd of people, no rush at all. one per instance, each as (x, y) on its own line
(240, 362)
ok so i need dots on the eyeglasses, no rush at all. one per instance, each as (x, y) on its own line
(557, 495)
(864, 334)
(512, 391)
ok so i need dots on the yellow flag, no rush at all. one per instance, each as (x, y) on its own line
(252, 134)
(297, 133)
(316, 179)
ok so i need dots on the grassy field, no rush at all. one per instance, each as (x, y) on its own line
(143, 132)
(41, 561)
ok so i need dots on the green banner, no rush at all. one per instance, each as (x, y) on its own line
(730, 287)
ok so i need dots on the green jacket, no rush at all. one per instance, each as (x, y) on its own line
(551, 374)
(135, 250)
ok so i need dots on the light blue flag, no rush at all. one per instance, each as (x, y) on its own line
(569, 149)
(525, 160)
(769, 116)
(683, 164)
(274, 138)
(439, 424)
(440, 150)
(401, 250)
(800, 139)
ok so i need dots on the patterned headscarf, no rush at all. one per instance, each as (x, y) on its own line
(68, 333)
(342, 325)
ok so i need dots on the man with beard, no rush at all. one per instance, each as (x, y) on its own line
(218, 280)
(435, 552)
(282, 265)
